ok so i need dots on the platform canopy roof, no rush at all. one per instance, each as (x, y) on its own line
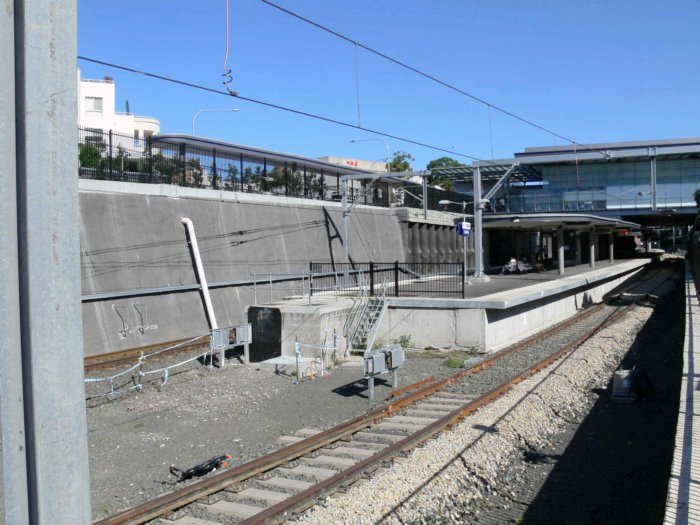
(570, 221)
(202, 144)
(492, 172)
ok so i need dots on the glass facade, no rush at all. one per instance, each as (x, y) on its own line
(621, 185)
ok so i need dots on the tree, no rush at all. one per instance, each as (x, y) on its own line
(444, 181)
(401, 161)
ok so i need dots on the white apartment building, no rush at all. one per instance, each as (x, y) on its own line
(97, 111)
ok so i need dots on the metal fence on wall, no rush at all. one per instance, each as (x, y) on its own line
(401, 279)
(108, 155)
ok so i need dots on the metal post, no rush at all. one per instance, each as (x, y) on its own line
(611, 243)
(653, 182)
(149, 168)
(396, 278)
(110, 155)
(560, 249)
(311, 279)
(13, 441)
(213, 168)
(370, 388)
(394, 378)
(478, 230)
(371, 278)
(241, 159)
(464, 241)
(425, 197)
(46, 278)
(286, 180)
(306, 190)
(346, 228)
(591, 248)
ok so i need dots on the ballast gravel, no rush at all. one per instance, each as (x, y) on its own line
(449, 479)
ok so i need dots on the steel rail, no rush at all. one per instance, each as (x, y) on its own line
(179, 498)
(172, 501)
(303, 500)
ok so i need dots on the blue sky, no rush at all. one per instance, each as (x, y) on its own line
(590, 70)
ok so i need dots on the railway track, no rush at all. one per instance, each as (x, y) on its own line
(314, 464)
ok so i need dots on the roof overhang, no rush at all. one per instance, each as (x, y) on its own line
(569, 221)
(259, 153)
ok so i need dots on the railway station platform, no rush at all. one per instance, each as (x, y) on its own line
(683, 500)
(492, 315)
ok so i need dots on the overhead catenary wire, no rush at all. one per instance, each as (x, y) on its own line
(423, 73)
(285, 108)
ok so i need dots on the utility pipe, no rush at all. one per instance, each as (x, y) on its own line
(200, 273)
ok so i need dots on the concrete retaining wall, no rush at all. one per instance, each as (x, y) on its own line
(135, 240)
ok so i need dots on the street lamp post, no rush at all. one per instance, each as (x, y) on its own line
(464, 237)
(388, 160)
(194, 118)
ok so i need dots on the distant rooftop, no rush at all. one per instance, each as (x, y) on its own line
(605, 146)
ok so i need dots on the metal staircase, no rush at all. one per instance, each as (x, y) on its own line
(364, 322)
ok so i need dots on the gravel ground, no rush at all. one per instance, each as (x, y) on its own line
(490, 468)
(199, 414)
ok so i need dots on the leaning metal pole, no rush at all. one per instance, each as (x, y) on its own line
(13, 442)
(48, 266)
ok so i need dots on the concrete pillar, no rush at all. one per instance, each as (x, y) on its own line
(591, 247)
(13, 443)
(48, 248)
(611, 242)
(578, 247)
(560, 248)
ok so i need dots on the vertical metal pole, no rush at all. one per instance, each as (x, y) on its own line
(213, 168)
(425, 197)
(394, 378)
(110, 155)
(653, 182)
(306, 189)
(371, 278)
(464, 240)
(346, 228)
(49, 273)
(478, 229)
(591, 248)
(611, 244)
(396, 278)
(286, 180)
(560, 249)
(13, 441)
(370, 387)
(241, 175)
(149, 168)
